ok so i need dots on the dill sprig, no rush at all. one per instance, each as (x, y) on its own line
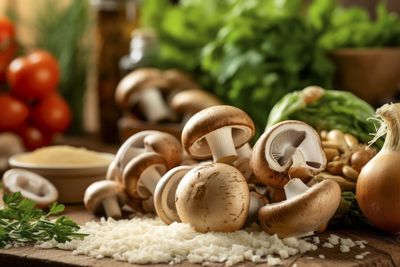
(22, 223)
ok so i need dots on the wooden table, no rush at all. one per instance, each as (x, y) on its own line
(385, 251)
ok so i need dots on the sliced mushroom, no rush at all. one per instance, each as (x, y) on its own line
(191, 101)
(31, 185)
(164, 195)
(146, 141)
(217, 131)
(213, 197)
(306, 209)
(142, 174)
(143, 87)
(10, 144)
(107, 196)
(289, 146)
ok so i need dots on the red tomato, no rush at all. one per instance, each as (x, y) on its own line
(52, 114)
(34, 138)
(33, 76)
(13, 113)
(8, 45)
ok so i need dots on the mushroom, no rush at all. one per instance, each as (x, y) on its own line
(178, 80)
(164, 195)
(10, 144)
(306, 209)
(213, 197)
(143, 87)
(107, 196)
(256, 202)
(142, 174)
(288, 149)
(243, 162)
(191, 101)
(217, 131)
(31, 185)
(146, 141)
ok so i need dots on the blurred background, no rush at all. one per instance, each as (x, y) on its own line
(246, 53)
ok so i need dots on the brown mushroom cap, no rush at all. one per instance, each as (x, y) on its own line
(100, 190)
(164, 195)
(135, 81)
(31, 185)
(134, 170)
(211, 119)
(178, 80)
(114, 172)
(303, 213)
(274, 152)
(193, 100)
(213, 197)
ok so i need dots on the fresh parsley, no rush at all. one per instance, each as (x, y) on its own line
(22, 223)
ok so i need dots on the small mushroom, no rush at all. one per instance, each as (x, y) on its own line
(164, 195)
(10, 144)
(213, 197)
(178, 80)
(312, 94)
(146, 141)
(256, 202)
(191, 101)
(289, 146)
(107, 196)
(142, 174)
(217, 131)
(143, 87)
(306, 209)
(31, 185)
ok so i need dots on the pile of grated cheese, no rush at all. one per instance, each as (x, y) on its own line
(144, 240)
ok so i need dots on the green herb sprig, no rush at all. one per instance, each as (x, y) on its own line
(22, 223)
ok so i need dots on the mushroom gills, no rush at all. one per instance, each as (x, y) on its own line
(221, 145)
(153, 105)
(290, 139)
(111, 207)
(148, 182)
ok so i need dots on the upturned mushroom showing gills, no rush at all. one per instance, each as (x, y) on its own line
(143, 87)
(31, 185)
(217, 131)
(107, 196)
(165, 144)
(164, 195)
(141, 175)
(306, 209)
(213, 197)
(288, 149)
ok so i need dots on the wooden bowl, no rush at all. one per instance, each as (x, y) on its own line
(372, 74)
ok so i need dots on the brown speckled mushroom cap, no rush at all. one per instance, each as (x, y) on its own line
(135, 169)
(211, 119)
(213, 197)
(193, 100)
(134, 82)
(100, 190)
(304, 213)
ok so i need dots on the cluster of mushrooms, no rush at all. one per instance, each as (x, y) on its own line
(149, 97)
(213, 179)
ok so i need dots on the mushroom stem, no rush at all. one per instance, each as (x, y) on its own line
(221, 145)
(294, 188)
(153, 105)
(148, 181)
(255, 204)
(111, 207)
(244, 151)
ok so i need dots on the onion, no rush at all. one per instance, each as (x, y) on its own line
(378, 185)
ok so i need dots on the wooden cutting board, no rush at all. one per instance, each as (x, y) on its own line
(385, 251)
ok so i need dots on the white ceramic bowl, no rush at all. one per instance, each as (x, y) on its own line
(70, 181)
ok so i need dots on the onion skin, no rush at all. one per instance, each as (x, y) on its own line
(378, 190)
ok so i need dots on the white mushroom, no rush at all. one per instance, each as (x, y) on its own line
(217, 131)
(213, 197)
(305, 210)
(31, 185)
(107, 196)
(287, 149)
(164, 195)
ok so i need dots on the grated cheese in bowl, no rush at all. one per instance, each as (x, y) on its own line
(143, 240)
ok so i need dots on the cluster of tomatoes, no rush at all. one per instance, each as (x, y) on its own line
(31, 107)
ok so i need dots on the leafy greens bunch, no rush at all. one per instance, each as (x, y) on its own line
(22, 223)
